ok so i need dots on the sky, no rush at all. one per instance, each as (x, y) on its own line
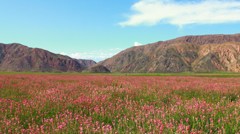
(98, 29)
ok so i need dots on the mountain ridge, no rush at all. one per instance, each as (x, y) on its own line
(198, 53)
(18, 57)
(205, 53)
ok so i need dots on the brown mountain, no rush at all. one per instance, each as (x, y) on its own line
(87, 63)
(97, 69)
(190, 53)
(16, 57)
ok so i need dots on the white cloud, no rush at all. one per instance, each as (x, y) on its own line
(94, 55)
(137, 44)
(152, 12)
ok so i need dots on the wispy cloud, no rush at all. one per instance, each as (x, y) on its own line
(180, 13)
(94, 55)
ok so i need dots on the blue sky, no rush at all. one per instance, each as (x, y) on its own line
(98, 29)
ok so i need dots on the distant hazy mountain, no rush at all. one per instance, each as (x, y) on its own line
(16, 57)
(87, 63)
(190, 53)
(97, 69)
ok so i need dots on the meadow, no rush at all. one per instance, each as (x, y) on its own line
(72, 103)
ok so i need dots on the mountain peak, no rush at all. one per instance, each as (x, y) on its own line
(207, 39)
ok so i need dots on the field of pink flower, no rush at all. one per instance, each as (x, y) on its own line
(40, 103)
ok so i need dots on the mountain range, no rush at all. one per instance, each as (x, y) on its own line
(206, 53)
(17, 57)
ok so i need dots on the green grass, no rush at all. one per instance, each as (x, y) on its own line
(214, 74)
(211, 74)
(13, 94)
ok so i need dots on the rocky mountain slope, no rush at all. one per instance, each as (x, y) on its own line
(185, 54)
(16, 57)
(97, 69)
(87, 63)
